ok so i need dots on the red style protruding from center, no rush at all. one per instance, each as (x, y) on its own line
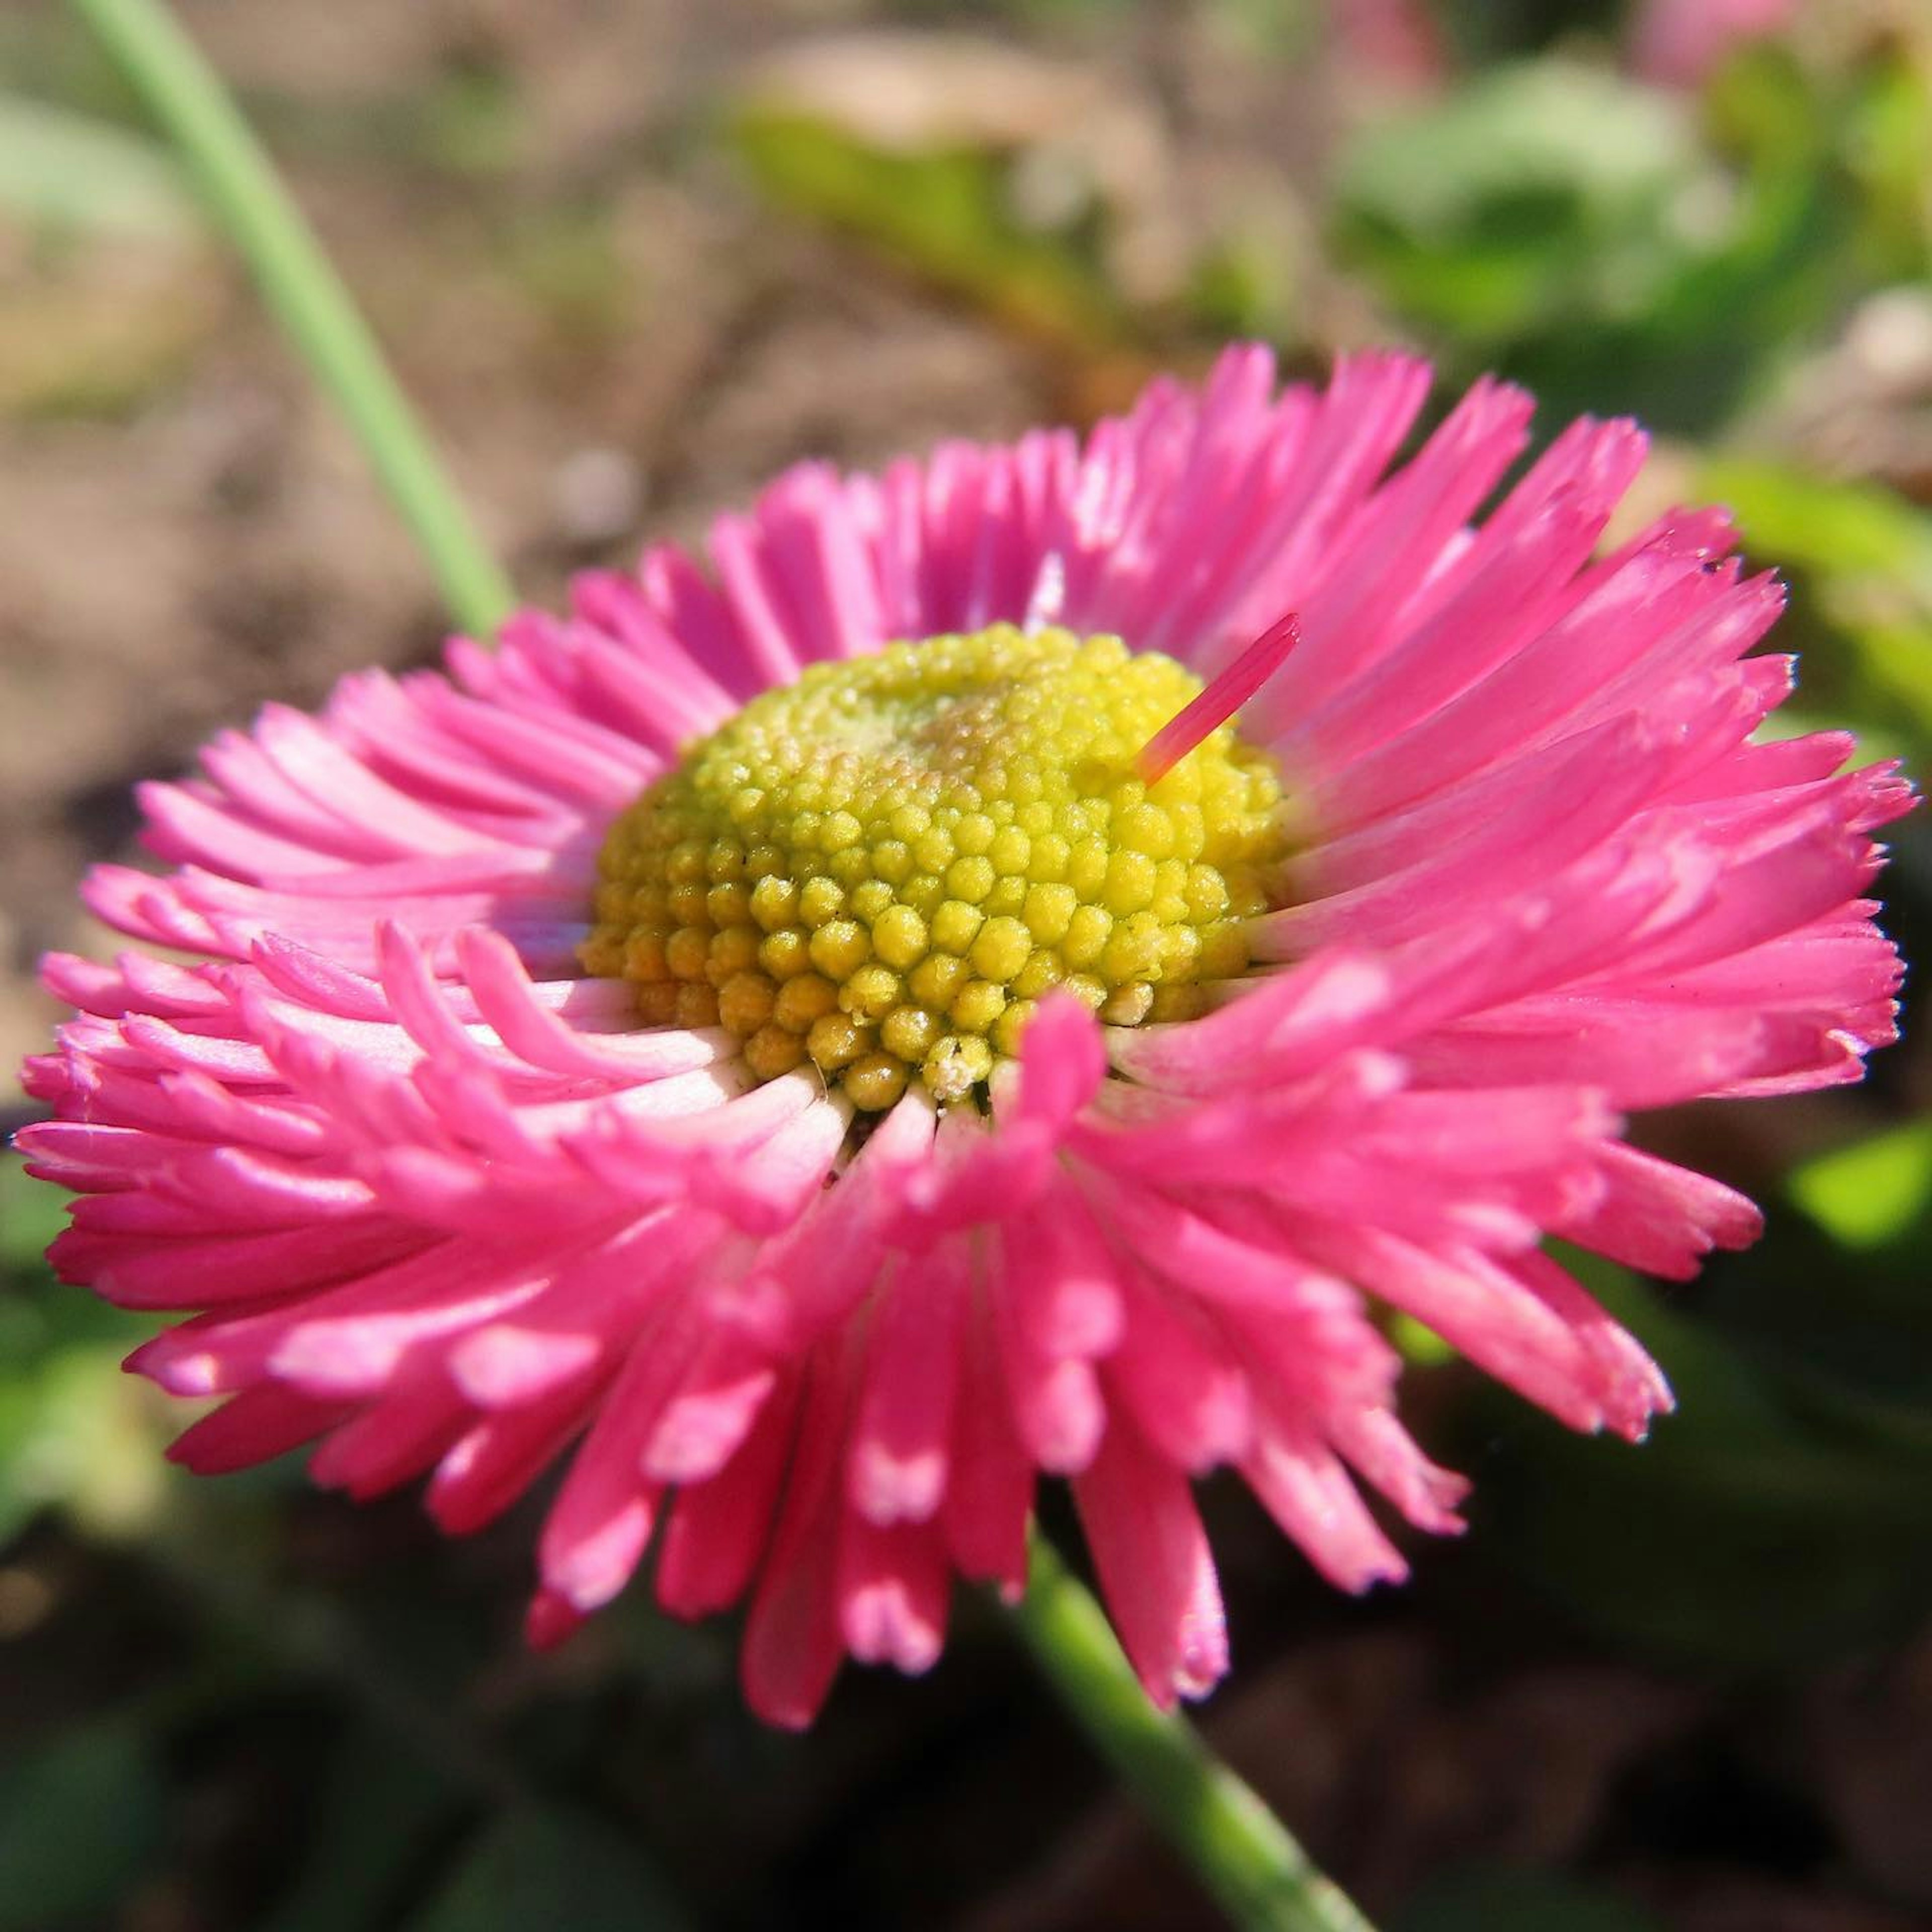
(1219, 703)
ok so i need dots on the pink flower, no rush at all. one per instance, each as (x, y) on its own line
(1396, 42)
(1682, 43)
(446, 1205)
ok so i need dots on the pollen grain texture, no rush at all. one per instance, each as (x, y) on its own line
(881, 867)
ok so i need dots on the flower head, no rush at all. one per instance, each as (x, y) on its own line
(814, 1043)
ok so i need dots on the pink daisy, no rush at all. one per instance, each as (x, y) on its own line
(805, 1044)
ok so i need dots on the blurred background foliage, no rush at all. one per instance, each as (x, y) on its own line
(634, 257)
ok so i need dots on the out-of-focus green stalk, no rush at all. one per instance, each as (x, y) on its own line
(1261, 1876)
(1264, 1881)
(188, 97)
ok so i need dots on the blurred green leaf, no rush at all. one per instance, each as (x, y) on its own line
(1860, 557)
(543, 1866)
(80, 1816)
(76, 1433)
(1496, 1899)
(1887, 146)
(1870, 1194)
(946, 212)
(1538, 191)
(1753, 1529)
(80, 1434)
(61, 171)
(380, 1807)
(1244, 284)
(31, 1213)
(1421, 1347)
(1606, 147)
(1863, 532)
(1585, 235)
(1853, 1359)
(105, 281)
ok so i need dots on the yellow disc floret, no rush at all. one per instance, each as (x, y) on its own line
(882, 868)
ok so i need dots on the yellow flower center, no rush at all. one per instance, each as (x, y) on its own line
(881, 867)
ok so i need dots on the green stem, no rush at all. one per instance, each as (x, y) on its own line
(1263, 1880)
(188, 97)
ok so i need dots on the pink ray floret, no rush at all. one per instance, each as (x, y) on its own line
(434, 1202)
(1218, 703)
